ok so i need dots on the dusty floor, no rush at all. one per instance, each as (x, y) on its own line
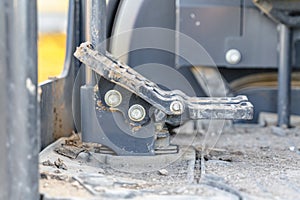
(246, 163)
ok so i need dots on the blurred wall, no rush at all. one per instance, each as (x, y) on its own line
(52, 26)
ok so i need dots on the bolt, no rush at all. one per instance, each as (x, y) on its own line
(136, 113)
(233, 56)
(176, 107)
(113, 98)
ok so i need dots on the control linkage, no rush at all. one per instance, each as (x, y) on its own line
(172, 103)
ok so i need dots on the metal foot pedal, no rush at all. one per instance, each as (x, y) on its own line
(131, 115)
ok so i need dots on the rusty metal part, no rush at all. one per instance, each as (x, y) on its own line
(147, 113)
(195, 107)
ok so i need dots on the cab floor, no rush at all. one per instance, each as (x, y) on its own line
(231, 162)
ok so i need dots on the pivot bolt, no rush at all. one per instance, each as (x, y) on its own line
(233, 56)
(113, 98)
(136, 113)
(176, 107)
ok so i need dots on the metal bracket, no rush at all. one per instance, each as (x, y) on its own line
(146, 109)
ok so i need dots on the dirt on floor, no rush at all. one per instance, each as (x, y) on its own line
(243, 162)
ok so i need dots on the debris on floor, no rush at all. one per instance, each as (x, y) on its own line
(246, 163)
(59, 163)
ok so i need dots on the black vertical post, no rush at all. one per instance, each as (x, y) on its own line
(284, 76)
(19, 133)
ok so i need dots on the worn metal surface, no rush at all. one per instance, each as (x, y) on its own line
(19, 135)
(56, 98)
(125, 136)
(195, 108)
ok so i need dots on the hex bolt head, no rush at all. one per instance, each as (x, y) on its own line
(233, 56)
(176, 107)
(136, 113)
(113, 98)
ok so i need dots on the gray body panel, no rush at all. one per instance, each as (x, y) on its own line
(223, 25)
(216, 25)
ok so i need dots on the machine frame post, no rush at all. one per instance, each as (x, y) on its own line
(95, 30)
(19, 118)
(284, 76)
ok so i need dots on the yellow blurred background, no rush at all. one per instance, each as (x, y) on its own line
(52, 23)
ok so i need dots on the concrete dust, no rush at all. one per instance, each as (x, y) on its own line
(247, 162)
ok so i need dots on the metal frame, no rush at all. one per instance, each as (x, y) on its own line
(171, 107)
(57, 96)
(19, 135)
(95, 30)
(284, 76)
